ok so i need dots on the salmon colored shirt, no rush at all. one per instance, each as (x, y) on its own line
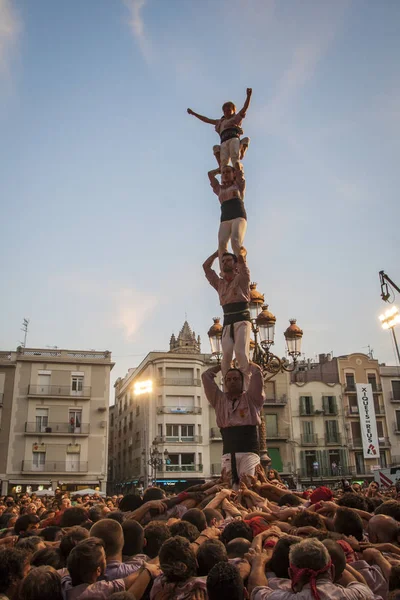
(234, 290)
(243, 410)
(224, 123)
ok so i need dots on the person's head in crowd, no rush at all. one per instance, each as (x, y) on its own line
(196, 517)
(26, 524)
(209, 554)
(133, 538)
(306, 518)
(153, 493)
(394, 595)
(116, 515)
(338, 557)
(87, 561)
(31, 544)
(309, 561)
(65, 503)
(47, 556)
(73, 516)
(224, 581)
(129, 502)
(352, 500)
(289, 500)
(391, 508)
(348, 522)
(42, 583)
(53, 533)
(236, 529)
(383, 529)
(356, 487)
(155, 533)
(279, 563)
(373, 503)
(273, 474)
(110, 532)
(30, 509)
(321, 494)
(71, 539)
(9, 500)
(94, 514)
(394, 578)
(7, 519)
(177, 560)
(238, 547)
(213, 517)
(14, 566)
(185, 529)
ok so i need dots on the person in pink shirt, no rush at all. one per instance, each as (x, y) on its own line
(232, 148)
(234, 296)
(238, 415)
(230, 193)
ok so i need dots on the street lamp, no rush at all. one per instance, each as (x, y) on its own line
(215, 335)
(156, 459)
(389, 320)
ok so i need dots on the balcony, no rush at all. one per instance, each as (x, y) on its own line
(333, 440)
(56, 391)
(354, 443)
(178, 381)
(282, 434)
(395, 396)
(309, 439)
(216, 469)
(182, 468)
(28, 466)
(179, 410)
(170, 439)
(384, 442)
(352, 411)
(380, 409)
(215, 434)
(56, 429)
(350, 389)
(323, 472)
(282, 401)
(376, 388)
(306, 412)
(396, 428)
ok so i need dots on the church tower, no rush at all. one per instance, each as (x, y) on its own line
(186, 342)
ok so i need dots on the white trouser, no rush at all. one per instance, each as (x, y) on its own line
(230, 150)
(233, 230)
(241, 346)
(246, 463)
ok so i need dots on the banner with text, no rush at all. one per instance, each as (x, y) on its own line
(369, 434)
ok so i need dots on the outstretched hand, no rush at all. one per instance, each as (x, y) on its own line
(190, 112)
(249, 91)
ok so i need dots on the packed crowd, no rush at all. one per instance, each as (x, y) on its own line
(262, 541)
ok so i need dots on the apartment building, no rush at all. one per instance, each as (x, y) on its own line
(353, 369)
(390, 381)
(160, 407)
(7, 377)
(57, 419)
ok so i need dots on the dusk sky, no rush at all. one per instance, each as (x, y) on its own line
(106, 210)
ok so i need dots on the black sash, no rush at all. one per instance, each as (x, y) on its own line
(235, 312)
(233, 209)
(230, 133)
(241, 438)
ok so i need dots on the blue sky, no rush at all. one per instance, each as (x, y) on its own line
(106, 211)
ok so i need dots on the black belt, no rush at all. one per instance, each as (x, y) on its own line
(240, 438)
(230, 133)
(235, 312)
(233, 209)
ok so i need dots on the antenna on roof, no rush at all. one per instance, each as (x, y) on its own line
(24, 328)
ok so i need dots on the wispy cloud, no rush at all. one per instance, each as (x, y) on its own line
(136, 23)
(132, 307)
(10, 28)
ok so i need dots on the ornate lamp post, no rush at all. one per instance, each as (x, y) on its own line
(215, 335)
(156, 459)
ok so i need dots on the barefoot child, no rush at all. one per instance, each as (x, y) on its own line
(233, 214)
(229, 129)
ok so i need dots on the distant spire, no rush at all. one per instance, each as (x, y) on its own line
(186, 342)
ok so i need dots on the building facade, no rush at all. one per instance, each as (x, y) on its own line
(161, 405)
(390, 380)
(7, 377)
(58, 420)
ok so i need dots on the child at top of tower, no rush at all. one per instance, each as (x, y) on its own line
(229, 128)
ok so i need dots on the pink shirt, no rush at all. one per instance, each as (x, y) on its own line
(281, 589)
(94, 591)
(225, 123)
(162, 590)
(245, 409)
(374, 578)
(234, 290)
(236, 190)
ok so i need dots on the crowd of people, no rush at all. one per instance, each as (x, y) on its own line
(262, 541)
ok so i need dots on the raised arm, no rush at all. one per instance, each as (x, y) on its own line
(239, 177)
(211, 389)
(256, 385)
(209, 272)
(246, 104)
(201, 118)
(213, 180)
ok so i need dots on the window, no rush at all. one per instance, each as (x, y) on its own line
(180, 433)
(160, 430)
(272, 425)
(72, 463)
(181, 462)
(269, 389)
(329, 405)
(353, 406)
(306, 405)
(77, 385)
(396, 389)
(39, 460)
(180, 376)
(137, 410)
(397, 420)
(42, 419)
(382, 460)
(75, 421)
(44, 383)
(379, 429)
(172, 433)
(350, 382)
(360, 465)
(356, 433)
(187, 432)
(372, 382)
(332, 432)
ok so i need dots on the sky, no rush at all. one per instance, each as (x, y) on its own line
(105, 208)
